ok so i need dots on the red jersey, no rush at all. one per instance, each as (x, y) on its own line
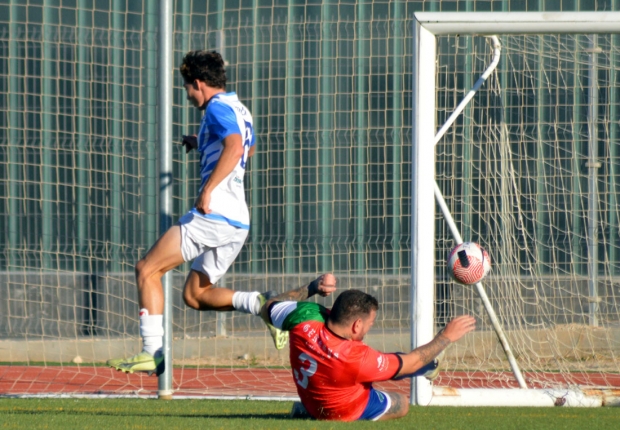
(333, 375)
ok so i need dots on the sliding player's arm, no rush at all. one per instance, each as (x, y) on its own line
(421, 356)
(324, 285)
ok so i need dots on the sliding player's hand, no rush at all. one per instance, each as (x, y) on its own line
(326, 284)
(459, 327)
(189, 142)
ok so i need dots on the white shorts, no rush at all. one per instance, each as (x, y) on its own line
(213, 245)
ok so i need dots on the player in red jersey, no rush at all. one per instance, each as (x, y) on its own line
(333, 369)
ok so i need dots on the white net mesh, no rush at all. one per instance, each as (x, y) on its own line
(329, 190)
(327, 187)
(529, 172)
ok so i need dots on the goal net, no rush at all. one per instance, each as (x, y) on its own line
(529, 170)
(330, 189)
(327, 188)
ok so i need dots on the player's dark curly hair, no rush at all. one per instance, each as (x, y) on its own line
(351, 305)
(207, 66)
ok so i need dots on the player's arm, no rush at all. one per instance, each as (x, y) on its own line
(421, 356)
(230, 157)
(324, 285)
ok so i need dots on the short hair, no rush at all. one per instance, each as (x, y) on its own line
(351, 305)
(206, 66)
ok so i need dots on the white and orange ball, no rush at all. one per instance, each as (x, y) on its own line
(468, 263)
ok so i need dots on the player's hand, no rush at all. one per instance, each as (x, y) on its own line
(459, 327)
(326, 284)
(202, 203)
(190, 142)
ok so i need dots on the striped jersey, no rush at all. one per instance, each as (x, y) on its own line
(225, 115)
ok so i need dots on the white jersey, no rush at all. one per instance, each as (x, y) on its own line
(225, 115)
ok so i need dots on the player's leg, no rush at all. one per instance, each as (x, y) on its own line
(399, 406)
(162, 257)
(220, 244)
(383, 405)
(299, 411)
(200, 294)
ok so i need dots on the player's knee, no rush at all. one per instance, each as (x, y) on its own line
(404, 406)
(197, 290)
(399, 407)
(190, 299)
(141, 272)
(145, 273)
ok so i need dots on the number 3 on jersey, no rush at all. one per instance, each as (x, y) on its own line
(308, 368)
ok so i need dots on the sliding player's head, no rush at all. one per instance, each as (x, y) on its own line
(354, 312)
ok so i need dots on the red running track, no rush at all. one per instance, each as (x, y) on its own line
(277, 383)
(32, 380)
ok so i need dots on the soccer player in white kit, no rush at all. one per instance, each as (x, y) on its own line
(213, 232)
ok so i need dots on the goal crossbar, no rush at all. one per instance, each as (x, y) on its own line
(427, 26)
(490, 23)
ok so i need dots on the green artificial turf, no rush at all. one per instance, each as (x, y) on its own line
(118, 414)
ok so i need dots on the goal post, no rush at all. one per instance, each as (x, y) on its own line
(164, 383)
(522, 228)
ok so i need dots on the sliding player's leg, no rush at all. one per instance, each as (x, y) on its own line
(299, 411)
(165, 255)
(383, 405)
(399, 406)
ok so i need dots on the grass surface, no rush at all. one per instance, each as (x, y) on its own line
(119, 414)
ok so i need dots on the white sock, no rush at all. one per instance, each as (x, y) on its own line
(152, 332)
(246, 302)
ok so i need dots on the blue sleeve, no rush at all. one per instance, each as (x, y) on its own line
(221, 120)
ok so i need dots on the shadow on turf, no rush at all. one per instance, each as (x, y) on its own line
(283, 416)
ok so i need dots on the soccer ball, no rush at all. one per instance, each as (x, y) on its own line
(468, 263)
